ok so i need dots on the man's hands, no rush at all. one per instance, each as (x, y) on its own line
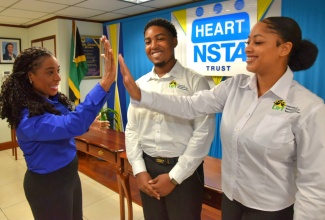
(158, 187)
(110, 67)
(162, 184)
(128, 80)
(143, 184)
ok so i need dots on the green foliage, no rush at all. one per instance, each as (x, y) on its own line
(108, 114)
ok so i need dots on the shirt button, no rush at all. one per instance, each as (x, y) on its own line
(237, 129)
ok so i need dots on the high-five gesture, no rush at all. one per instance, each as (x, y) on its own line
(110, 67)
(128, 80)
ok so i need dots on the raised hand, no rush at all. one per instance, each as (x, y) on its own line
(109, 75)
(128, 80)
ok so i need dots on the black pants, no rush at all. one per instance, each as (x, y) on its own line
(55, 196)
(233, 210)
(183, 203)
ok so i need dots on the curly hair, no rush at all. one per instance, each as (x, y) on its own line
(17, 92)
(161, 22)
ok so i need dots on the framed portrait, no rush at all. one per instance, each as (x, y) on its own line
(10, 48)
(92, 49)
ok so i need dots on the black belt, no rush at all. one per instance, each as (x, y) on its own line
(162, 160)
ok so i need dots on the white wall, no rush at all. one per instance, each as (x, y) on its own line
(61, 28)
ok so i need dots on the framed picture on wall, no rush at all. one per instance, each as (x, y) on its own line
(10, 48)
(92, 46)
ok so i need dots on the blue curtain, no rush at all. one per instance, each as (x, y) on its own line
(216, 149)
(310, 17)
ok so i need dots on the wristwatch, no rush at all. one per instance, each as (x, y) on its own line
(174, 181)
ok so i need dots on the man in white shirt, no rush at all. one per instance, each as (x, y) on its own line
(166, 153)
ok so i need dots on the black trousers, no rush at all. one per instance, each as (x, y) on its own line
(56, 195)
(233, 210)
(183, 203)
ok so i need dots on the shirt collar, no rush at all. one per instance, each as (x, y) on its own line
(174, 72)
(280, 88)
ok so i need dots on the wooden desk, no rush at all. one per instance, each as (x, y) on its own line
(106, 144)
(212, 182)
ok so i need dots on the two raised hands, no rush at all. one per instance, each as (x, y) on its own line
(109, 75)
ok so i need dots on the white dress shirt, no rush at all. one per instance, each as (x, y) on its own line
(273, 145)
(167, 136)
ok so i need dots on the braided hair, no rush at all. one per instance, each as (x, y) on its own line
(17, 92)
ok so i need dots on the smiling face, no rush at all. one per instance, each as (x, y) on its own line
(45, 76)
(160, 46)
(265, 50)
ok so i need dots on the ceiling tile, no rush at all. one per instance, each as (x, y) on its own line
(13, 20)
(65, 2)
(38, 6)
(7, 3)
(22, 13)
(166, 3)
(108, 16)
(105, 5)
(137, 9)
(78, 12)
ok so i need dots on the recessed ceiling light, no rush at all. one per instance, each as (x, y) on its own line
(136, 1)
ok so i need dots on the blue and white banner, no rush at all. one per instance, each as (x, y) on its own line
(215, 36)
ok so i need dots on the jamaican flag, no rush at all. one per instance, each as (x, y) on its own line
(78, 65)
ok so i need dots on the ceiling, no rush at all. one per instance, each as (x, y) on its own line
(28, 12)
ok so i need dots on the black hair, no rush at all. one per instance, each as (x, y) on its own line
(161, 22)
(17, 92)
(303, 53)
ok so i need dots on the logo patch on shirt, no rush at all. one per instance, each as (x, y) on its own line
(173, 84)
(182, 87)
(281, 105)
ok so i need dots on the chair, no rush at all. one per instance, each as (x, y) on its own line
(14, 143)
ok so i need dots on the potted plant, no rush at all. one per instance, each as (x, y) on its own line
(109, 114)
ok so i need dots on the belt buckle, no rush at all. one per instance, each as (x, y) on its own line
(160, 160)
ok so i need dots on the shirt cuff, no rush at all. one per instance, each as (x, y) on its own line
(98, 93)
(178, 174)
(138, 167)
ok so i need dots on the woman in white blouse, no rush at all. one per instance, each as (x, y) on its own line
(272, 128)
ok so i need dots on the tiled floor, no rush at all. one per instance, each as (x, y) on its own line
(99, 202)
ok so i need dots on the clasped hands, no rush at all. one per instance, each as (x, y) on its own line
(158, 187)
